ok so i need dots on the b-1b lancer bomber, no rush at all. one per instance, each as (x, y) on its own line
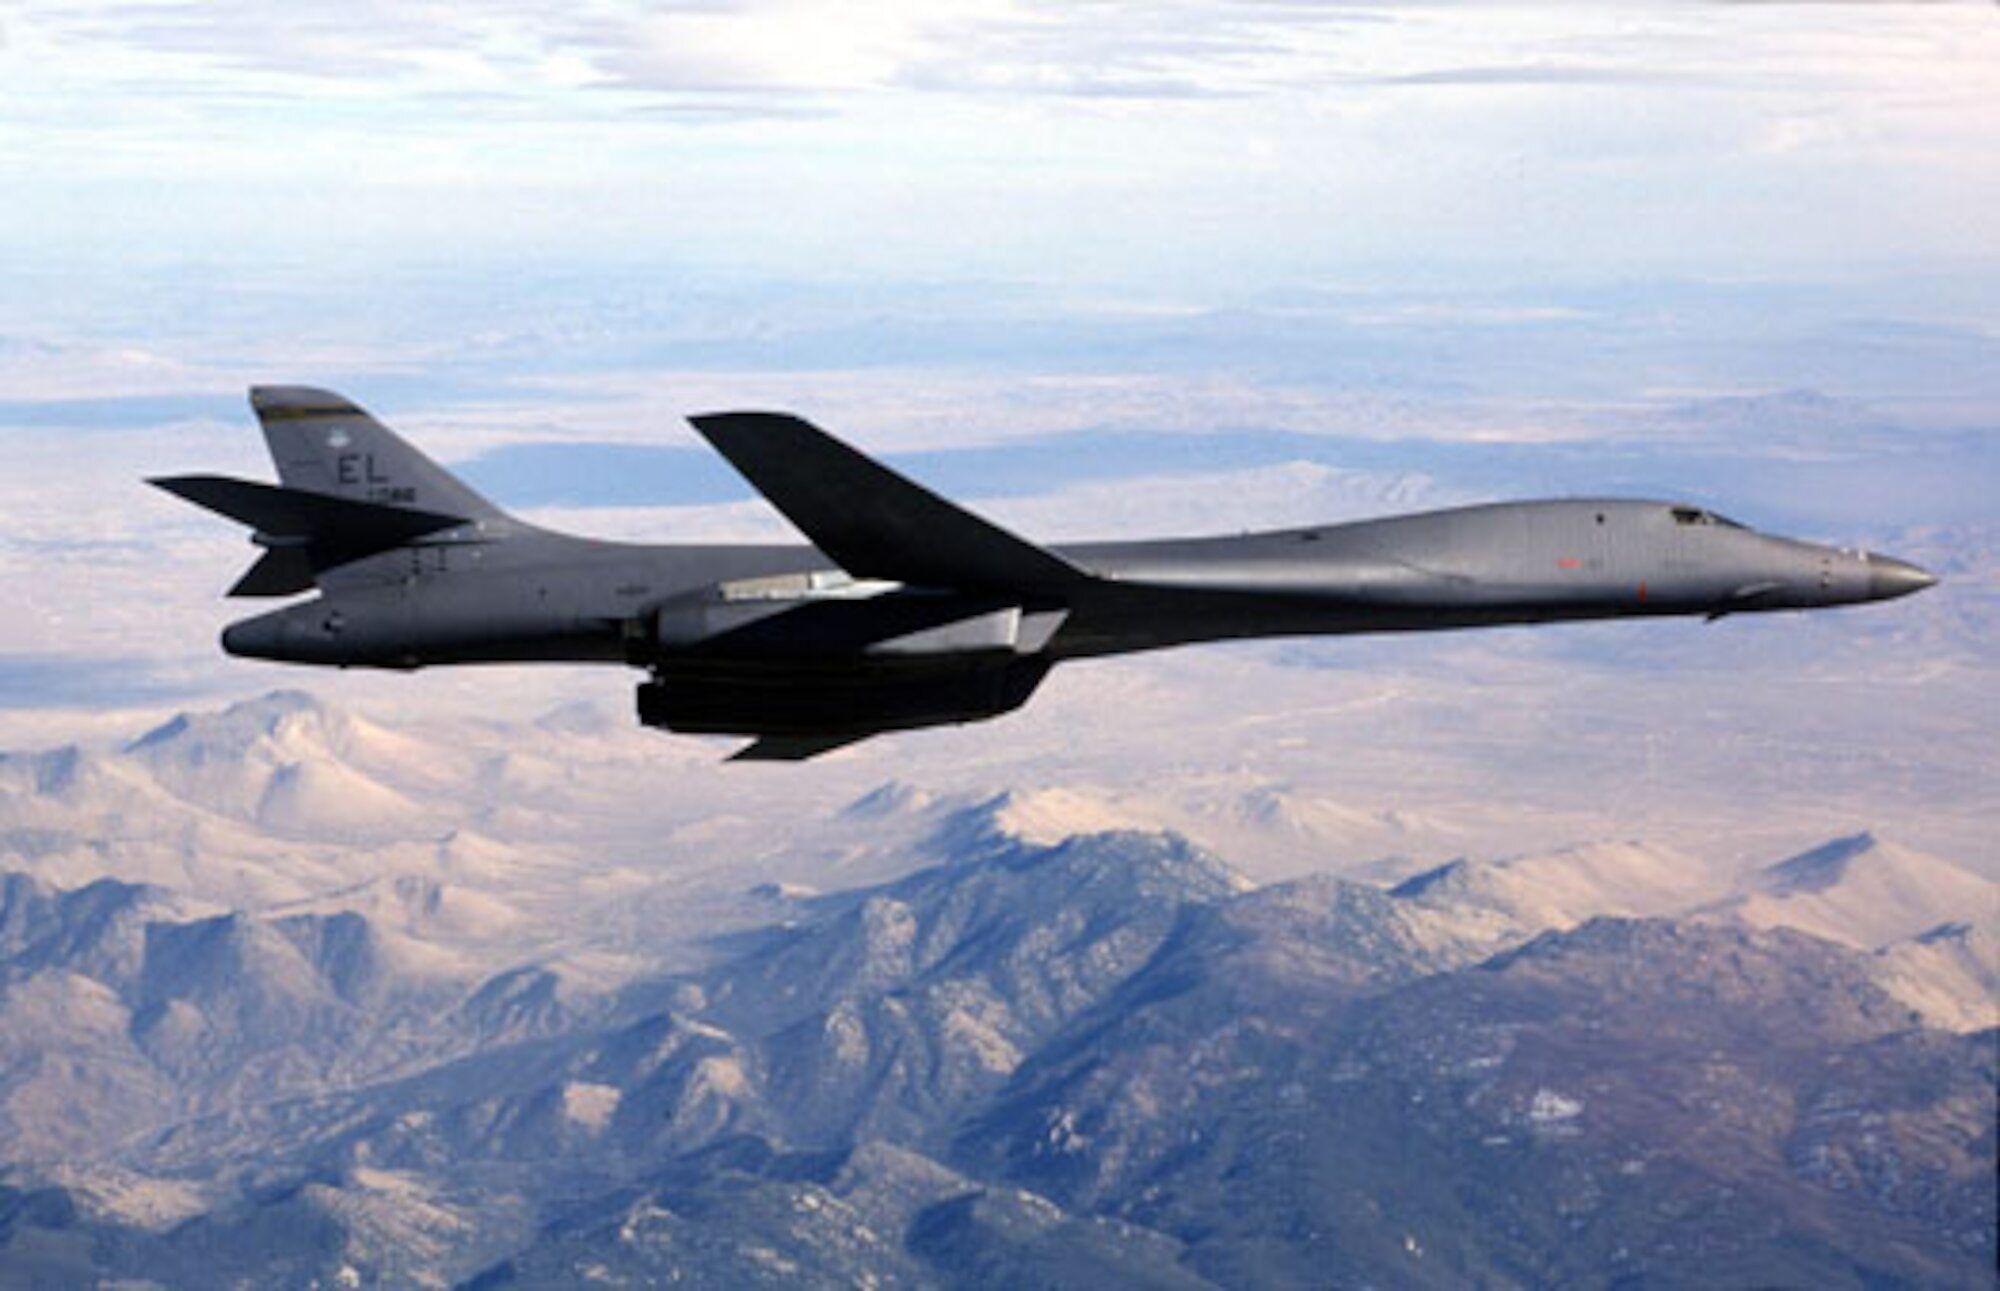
(908, 611)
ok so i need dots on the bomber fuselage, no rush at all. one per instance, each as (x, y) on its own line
(467, 597)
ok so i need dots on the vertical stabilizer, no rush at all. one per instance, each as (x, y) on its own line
(324, 444)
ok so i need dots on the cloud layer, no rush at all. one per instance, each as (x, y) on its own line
(1195, 144)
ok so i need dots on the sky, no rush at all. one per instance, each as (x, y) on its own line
(1102, 268)
(1183, 154)
(1209, 215)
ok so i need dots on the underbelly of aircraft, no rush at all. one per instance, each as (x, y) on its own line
(721, 696)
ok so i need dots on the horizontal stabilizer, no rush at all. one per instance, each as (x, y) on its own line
(307, 532)
(296, 513)
(793, 748)
(871, 521)
(283, 571)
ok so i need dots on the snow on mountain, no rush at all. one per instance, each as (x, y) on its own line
(1319, 818)
(289, 763)
(1038, 817)
(1858, 891)
(331, 801)
(257, 803)
(890, 799)
(1863, 891)
(73, 813)
(522, 783)
(275, 728)
(1284, 829)
(284, 800)
(139, 833)
(1509, 900)
(1294, 829)
(442, 917)
(1950, 974)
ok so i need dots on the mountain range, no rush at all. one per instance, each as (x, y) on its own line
(1030, 1047)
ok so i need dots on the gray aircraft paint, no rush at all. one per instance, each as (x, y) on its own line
(909, 611)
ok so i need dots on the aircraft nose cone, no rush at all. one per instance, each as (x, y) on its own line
(1888, 577)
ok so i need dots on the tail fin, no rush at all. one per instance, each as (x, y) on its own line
(324, 444)
(352, 489)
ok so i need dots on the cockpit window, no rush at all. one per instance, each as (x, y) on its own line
(1695, 515)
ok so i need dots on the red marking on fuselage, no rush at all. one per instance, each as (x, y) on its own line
(1569, 562)
(1642, 591)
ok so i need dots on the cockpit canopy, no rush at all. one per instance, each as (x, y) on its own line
(1697, 516)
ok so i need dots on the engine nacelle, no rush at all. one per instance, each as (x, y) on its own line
(851, 696)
